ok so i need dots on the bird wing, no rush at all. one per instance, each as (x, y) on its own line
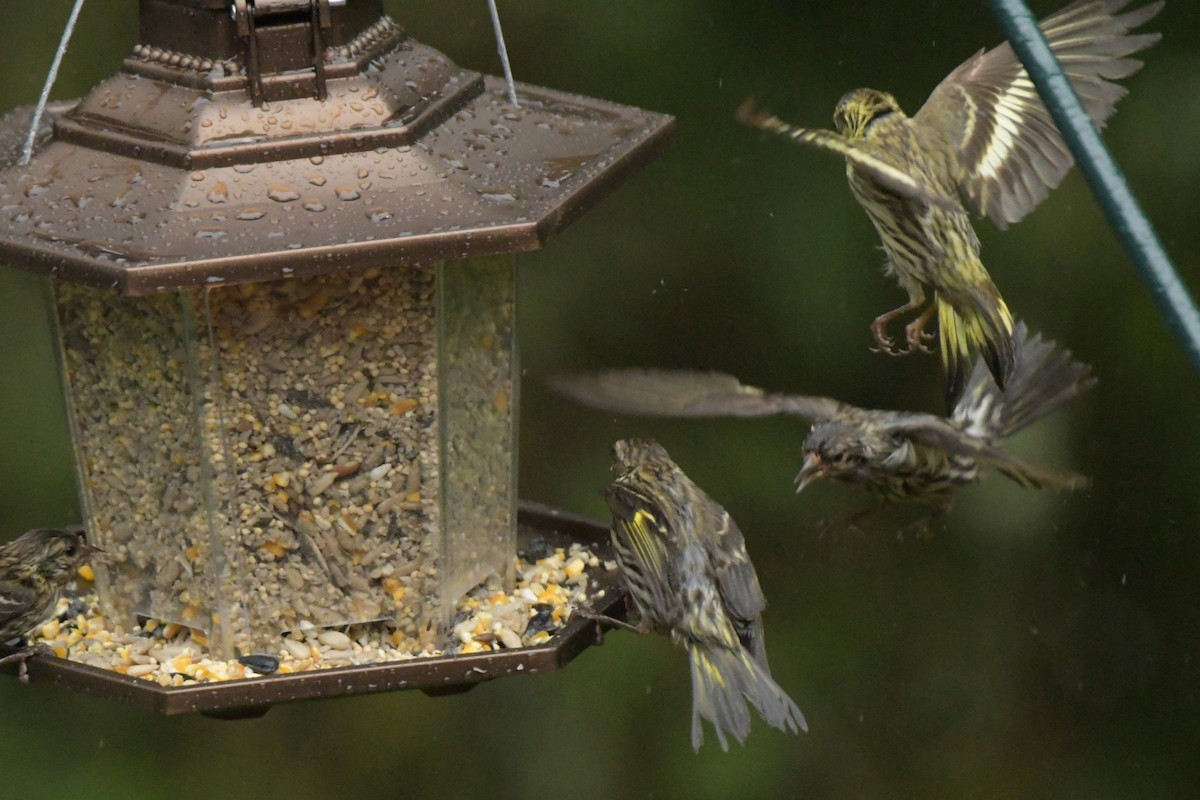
(1010, 154)
(937, 432)
(15, 602)
(684, 393)
(645, 531)
(862, 156)
(738, 583)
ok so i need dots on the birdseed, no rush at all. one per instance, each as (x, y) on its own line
(265, 457)
(488, 619)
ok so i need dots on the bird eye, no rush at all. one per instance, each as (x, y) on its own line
(71, 550)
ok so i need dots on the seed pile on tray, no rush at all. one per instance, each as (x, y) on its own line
(551, 582)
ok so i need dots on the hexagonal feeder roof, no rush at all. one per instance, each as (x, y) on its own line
(169, 175)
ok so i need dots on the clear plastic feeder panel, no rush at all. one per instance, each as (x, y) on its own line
(319, 452)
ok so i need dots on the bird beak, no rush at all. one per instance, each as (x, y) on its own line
(813, 469)
(93, 553)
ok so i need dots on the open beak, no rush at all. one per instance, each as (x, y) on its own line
(813, 469)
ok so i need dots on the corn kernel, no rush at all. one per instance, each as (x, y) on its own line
(403, 406)
(313, 304)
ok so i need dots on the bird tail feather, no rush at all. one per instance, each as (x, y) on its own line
(1044, 379)
(970, 324)
(723, 679)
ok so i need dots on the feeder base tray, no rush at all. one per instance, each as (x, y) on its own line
(438, 675)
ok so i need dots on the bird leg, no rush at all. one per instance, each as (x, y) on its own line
(915, 331)
(879, 326)
(24, 654)
(849, 523)
(920, 525)
(604, 621)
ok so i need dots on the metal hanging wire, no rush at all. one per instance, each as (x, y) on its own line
(1102, 174)
(40, 110)
(503, 50)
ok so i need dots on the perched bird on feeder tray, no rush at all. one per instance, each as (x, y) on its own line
(34, 569)
(985, 134)
(688, 572)
(896, 455)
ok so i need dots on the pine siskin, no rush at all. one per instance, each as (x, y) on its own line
(686, 565)
(896, 455)
(34, 568)
(983, 132)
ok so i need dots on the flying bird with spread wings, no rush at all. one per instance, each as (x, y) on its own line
(896, 455)
(983, 136)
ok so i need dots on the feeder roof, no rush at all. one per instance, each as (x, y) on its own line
(173, 173)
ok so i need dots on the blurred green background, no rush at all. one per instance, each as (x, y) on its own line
(1036, 645)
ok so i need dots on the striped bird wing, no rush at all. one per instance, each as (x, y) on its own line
(1010, 154)
(685, 393)
(937, 432)
(738, 582)
(16, 602)
(641, 534)
(863, 156)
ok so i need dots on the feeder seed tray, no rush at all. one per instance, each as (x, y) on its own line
(450, 674)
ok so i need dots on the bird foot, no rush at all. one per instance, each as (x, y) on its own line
(915, 333)
(879, 331)
(921, 525)
(604, 621)
(23, 655)
(834, 528)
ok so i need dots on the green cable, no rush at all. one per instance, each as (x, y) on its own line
(1102, 174)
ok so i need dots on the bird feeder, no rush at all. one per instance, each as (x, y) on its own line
(280, 245)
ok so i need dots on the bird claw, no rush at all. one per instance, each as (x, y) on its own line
(842, 525)
(604, 621)
(921, 525)
(914, 332)
(898, 353)
(879, 331)
(914, 347)
(916, 335)
(23, 655)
